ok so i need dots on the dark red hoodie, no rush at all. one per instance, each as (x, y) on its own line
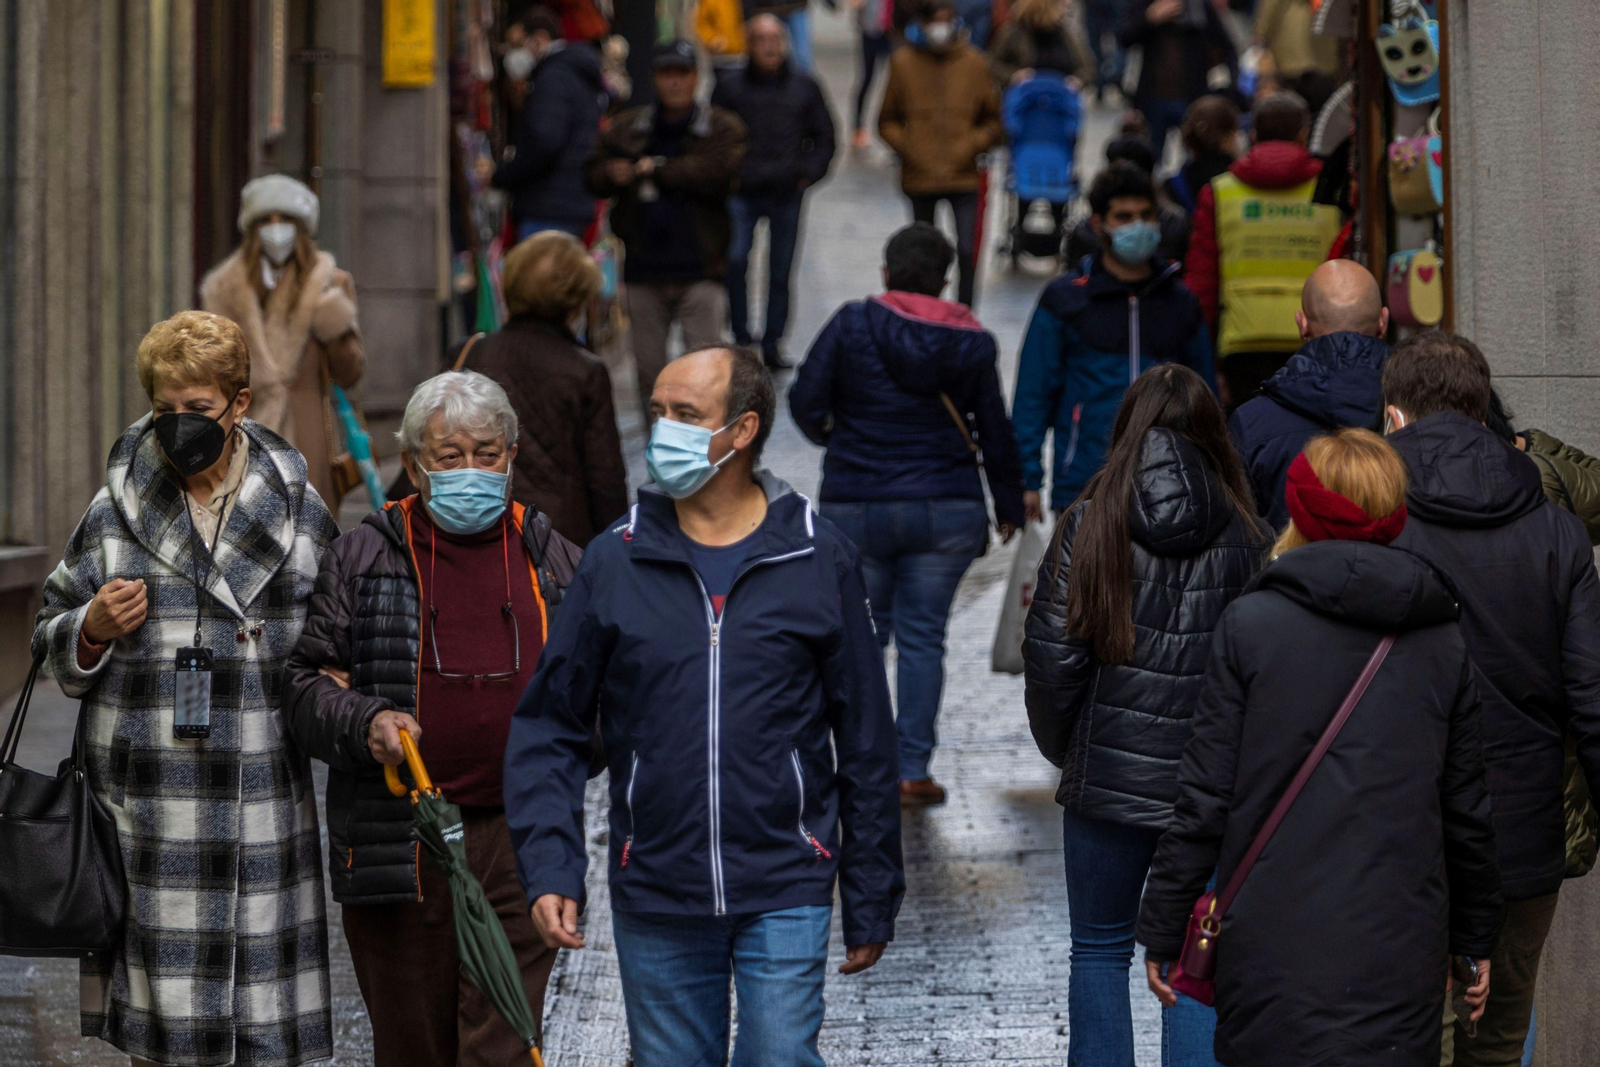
(1268, 165)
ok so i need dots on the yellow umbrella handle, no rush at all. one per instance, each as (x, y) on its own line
(538, 1060)
(419, 773)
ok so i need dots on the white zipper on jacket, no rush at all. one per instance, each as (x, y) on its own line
(800, 787)
(633, 776)
(1133, 338)
(714, 723)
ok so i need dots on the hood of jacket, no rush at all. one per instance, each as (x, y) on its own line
(1276, 165)
(576, 56)
(1371, 586)
(1178, 505)
(1334, 380)
(1464, 475)
(927, 345)
(1102, 283)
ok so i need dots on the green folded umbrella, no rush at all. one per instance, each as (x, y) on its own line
(481, 941)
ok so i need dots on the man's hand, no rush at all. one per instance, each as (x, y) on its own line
(858, 958)
(1032, 506)
(1477, 993)
(117, 610)
(645, 167)
(1007, 532)
(1163, 11)
(556, 919)
(620, 171)
(1022, 75)
(383, 736)
(1155, 975)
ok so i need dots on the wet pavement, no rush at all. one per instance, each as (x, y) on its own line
(978, 973)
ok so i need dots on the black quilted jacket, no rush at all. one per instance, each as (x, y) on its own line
(1117, 732)
(365, 618)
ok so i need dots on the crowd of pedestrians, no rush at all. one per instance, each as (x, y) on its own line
(1315, 643)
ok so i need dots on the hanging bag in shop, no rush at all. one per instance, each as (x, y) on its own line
(1408, 48)
(63, 892)
(1006, 655)
(1416, 287)
(1416, 171)
(1195, 973)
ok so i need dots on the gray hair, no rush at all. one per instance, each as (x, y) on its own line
(463, 400)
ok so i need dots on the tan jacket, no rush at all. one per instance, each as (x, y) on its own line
(940, 112)
(1284, 27)
(296, 347)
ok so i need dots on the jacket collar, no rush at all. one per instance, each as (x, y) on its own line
(1102, 282)
(652, 531)
(699, 124)
(531, 525)
(1276, 165)
(930, 310)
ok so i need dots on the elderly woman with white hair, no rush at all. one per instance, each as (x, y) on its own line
(429, 617)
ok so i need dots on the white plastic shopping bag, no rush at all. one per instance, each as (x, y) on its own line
(1030, 548)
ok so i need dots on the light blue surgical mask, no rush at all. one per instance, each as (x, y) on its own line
(679, 457)
(1135, 242)
(466, 501)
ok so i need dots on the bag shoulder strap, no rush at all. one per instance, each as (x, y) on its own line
(8, 747)
(461, 356)
(1290, 794)
(961, 423)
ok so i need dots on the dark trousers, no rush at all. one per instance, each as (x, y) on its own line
(1513, 972)
(1101, 21)
(1243, 374)
(965, 208)
(1163, 117)
(424, 1011)
(783, 231)
(875, 47)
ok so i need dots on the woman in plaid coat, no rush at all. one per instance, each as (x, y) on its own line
(224, 959)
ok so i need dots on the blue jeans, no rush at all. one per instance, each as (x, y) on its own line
(1188, 1034)
(1164, 116)
(799, 24)
(675, 972)
(526, 228)
(913, 554)
(783, 220)
(1106, 868)
(1101, 21)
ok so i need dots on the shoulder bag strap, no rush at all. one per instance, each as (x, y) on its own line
(961, 423)
(1304, 775)
(461, 356)
(8, 747)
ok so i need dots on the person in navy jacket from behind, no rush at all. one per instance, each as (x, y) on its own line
(1335, 380)
(902, 389)
(1095, 330)
(720, 632)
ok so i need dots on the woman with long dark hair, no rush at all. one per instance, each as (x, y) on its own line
(1142, 566)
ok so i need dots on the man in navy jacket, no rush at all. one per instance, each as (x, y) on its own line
(721, 634)
(1334, 380)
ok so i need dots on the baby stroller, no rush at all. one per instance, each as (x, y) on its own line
(1042, 117)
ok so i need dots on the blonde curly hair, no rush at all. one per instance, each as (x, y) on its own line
(550, 276)
(194, 348)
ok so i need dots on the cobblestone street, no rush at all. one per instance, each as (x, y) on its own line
(978, 973)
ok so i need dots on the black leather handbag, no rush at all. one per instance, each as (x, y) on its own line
(62, 889)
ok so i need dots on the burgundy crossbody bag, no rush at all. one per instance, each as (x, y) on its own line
(1194, 975)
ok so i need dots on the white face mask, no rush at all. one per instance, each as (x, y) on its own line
(277, 241)
(519, 63)
(940, 33)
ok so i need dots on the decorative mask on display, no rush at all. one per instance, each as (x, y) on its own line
(1409, 52)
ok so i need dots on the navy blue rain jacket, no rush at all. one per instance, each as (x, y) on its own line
(559, 125)
(753, 759)
(869, 391)
(1090, 337)
(1332, 382)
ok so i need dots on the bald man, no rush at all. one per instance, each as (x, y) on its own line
(1334, 380)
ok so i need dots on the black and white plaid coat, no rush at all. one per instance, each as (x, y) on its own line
(225, 955)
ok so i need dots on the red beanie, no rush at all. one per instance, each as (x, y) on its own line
(1323, 515)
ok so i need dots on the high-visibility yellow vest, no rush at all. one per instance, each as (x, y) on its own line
(1268, 242)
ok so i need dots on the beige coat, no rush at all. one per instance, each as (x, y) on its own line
(296, 347)
(940, 111)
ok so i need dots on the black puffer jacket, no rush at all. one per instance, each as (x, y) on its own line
(559, 126)
(790, 125)
(365, 618)
(1334, 952)
(1530, 613)
(1116, 731)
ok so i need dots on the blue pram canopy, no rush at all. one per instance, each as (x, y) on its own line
(1042, 117)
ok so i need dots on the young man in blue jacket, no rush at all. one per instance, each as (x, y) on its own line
(1095, 330)
(721, 634)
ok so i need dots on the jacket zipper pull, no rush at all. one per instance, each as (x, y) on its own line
(627, 847)
(715, 627)
(822, 853)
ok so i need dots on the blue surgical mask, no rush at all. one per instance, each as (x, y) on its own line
(466, 501)
(679, 457)
(1135, 242)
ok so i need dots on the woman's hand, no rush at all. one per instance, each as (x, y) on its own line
(1033, 506)
(383, 736)
(1155, 975)
(1022, 75)
(117, 610)
(341, 678)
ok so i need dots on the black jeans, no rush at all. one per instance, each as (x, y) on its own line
(782, 213)
(875, 48)
(965, 208)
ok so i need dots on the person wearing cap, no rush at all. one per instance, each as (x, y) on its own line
(298, 313)
(669, 169)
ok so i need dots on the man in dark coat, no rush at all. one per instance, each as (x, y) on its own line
(558, 127)
(791, 144)
(1181, 41)
(1334, 380)
(1524, 573)
(720, 635)
(669, 168)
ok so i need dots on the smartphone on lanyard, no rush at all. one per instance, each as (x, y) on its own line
(191, 708)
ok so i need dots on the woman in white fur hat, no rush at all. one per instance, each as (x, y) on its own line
(298, 313)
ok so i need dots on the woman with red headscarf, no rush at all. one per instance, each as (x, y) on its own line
(1338, 944)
